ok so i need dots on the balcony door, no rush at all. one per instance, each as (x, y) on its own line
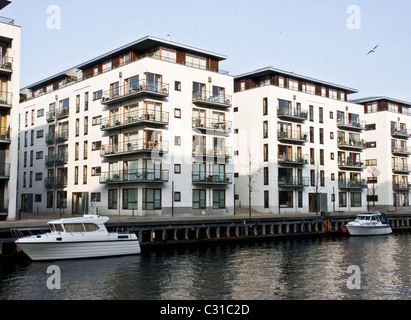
(154, 81)
(152, 169)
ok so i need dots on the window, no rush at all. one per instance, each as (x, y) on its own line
(355, 199)
(77, 103)
(265, 129)
(266, 176)
(76, 151)
(311, 134)
(322, 157)
(266, 199)
(85, 153)
(50, 199)
(95, 197)
(177, 85)
(129, 198)
(177, 113)
(322, 178)
(112, 198)
(85, 126)
(76, 175)
(342, 199)
(96, 145)
(177, 140)
(40, 113)
(199, 199)
(39, 176)
(312, 178)
(177, 168)
(39, 155)
(265, 152)
(300, 199)
(331, 115)
(77, 127)
(84, 174)
(285, 199)
(40, 134)
(37, 198)
(177, 196)
(312, 157)
(321, 115)
(311, 113)
(97, 94)
(218, 199)
(321, 136)
(265, 106)
(370, 126)
(85, 101)
(96, 120)
(95, 171)
(151, 199)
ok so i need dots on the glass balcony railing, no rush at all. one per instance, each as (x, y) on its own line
(6, 64)
(201, 177)
(292, 136)
(293, 158)
(352, 184)
(292, 113)
(133, 118)
(293, 181)
(133, 146)
(57, 136)
(5, 135)
(350, 124)
(213, 124)
(134, 176)
(135, 89)
(211, 151)
(5, 99)
(212, 99)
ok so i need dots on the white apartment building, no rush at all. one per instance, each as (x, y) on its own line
(387, 156)
(301, 140)
(145, 129)
(9, 100)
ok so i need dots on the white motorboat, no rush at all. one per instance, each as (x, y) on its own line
(81, 237)
(367, 224)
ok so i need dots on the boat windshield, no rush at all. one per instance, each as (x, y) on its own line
(56, 227)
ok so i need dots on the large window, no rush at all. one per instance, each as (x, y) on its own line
(151, 199)
(218, 199)
(355, 199)
(112, 198)
(129, 198)
(199, 199)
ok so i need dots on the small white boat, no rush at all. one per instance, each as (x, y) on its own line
(367, 224)
(82, 237)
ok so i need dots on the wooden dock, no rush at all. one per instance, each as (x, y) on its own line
(180, 230)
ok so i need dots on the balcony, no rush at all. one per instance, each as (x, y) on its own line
(350, 165)
(201, 177)
(352, 184)
(134, 118)
(57, 136)
(400, 168)
(401, 186)
(351, 144)
(56, 159)
(292, 114)
(4, 171)
(6, 65)
(60, 113)
(5, 99)
(55, 182)
(215, 125)
(209, 99)
(292, 159)
(293, 182)
(401, 151)
(135, 90)
(202, 151)
(292, 137)
(134, 146)
(400, 133)
(4, 135)
(134, 176)
(347, 124)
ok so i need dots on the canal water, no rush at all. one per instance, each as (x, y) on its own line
(309, 268)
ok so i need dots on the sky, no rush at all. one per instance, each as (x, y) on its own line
(326, 40)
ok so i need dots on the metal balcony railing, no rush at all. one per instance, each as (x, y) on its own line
(57, 136)
(293, 158)
(6, 63)
(350, 124)
(293, 136)
(202, 177)
(348, 184)
(293, 181)
(210, 98)
(401, 167)
(402, 133)
(134, 146)
(401, 150)
(351, 143)
(59, 182)
(4, 170)
(134, 117)
(5, 99)
(353, 164)
(292, 113)
(5, 135)
(211, 151)
(134, 175)
(135, 89)
(210, 123)
(59, 158)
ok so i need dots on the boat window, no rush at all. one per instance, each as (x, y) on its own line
(58, 227)
(90, 227)
(74, 227)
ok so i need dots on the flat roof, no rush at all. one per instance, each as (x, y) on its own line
(378, 98)
(270, 70)
(142, 44)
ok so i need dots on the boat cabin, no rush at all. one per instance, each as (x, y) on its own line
(87, 223)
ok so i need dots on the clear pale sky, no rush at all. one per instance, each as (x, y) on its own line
(309, 37)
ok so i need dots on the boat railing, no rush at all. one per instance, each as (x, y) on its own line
(18, 233)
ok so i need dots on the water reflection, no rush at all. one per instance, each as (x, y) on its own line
(312, 268)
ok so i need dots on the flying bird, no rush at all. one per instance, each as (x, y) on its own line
(373, 50)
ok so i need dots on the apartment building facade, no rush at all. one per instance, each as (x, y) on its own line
(9, 101)
(301, 140)
(144, 129)
(387, 156)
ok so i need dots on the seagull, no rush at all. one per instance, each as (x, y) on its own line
(373, 50)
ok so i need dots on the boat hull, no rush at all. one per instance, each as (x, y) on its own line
(368, 231)
(79, 249)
